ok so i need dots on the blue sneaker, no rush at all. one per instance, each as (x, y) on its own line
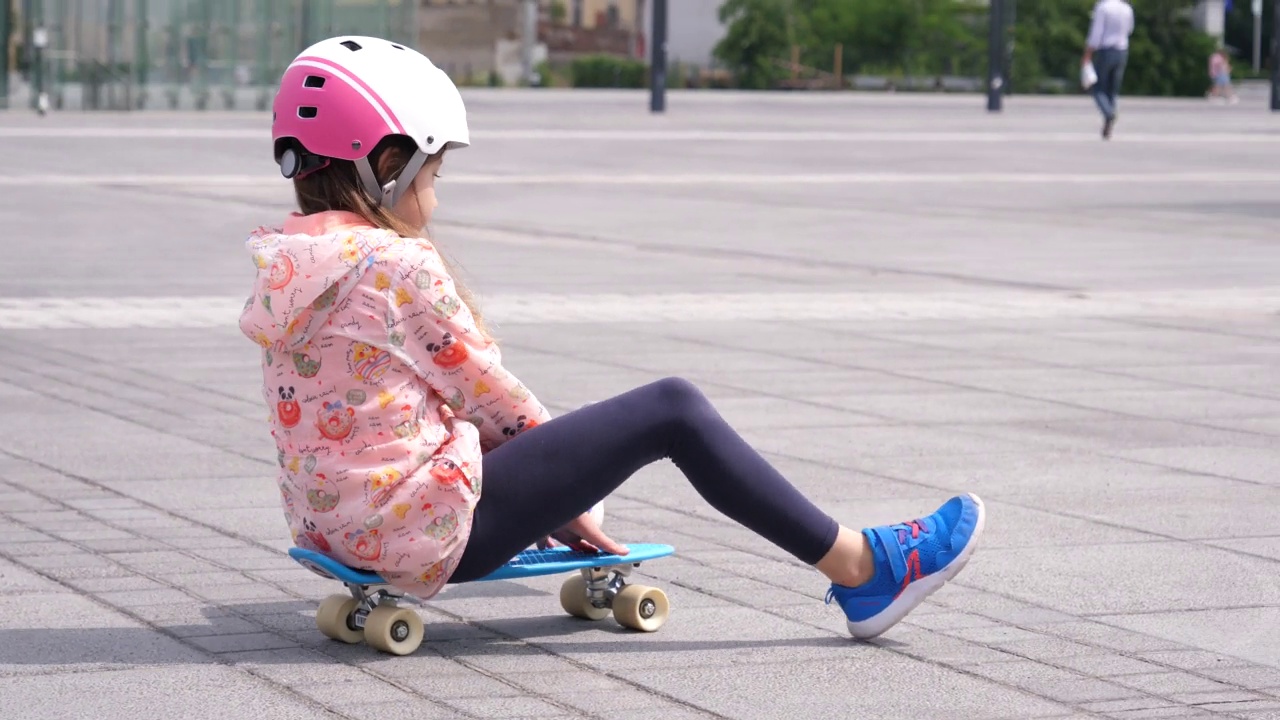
(912, 560)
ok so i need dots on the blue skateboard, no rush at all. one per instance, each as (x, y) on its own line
(370, 612)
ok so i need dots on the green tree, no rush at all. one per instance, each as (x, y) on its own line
(875, 33)
(1168, 56)
(758, 33)
(1048, 41)
(912, 36)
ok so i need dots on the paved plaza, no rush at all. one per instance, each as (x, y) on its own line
(896, 298)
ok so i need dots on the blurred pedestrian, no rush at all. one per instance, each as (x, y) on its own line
(1220, 76)
(1107, 49)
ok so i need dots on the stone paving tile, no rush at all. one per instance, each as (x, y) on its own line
(605, 701)
(412, 709)
(142, 598)
(195, 692)
(459, 682)
(40, 549)
(1249, 678)
(509, 707)
(1109, 637)
(668, 712)
(216, 622)
(995, 636)
(1252, 633)
(1053, 650)
(1129, 705)
(241, 591)
(1193, 659)
(1108, 665)
(865, 690)
(229, 643)
(19, 580)
(1171, 683)
(1176, 711)
(936, 647)
(203, 579)
(1054, 683)
(65, 632)
(1217, 697)
(1244, 707)
(115, 584)
(12, 535)
(124, 545)
(352, 690)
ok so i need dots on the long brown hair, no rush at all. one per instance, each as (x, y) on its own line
(338, 187)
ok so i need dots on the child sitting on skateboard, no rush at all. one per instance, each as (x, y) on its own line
(407, 449)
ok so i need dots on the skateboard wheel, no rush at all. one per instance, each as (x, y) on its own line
(574, 600)
(394, 630)
(333, 619)
(641, 608)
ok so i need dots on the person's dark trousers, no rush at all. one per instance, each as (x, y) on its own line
(1109, 64)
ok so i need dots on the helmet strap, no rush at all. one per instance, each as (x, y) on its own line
(390, 193)
(367, 177)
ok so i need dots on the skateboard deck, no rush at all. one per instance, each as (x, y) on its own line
(598, 589)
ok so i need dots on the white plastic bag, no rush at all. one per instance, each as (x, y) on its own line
(1088, 76)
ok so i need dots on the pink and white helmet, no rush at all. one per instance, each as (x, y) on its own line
(342, 96)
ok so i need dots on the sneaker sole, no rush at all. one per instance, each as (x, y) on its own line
(921, 589)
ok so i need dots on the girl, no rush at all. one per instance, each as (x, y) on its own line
(405, 446)
(1220, 76)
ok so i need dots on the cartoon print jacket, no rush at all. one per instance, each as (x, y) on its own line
(382, 395)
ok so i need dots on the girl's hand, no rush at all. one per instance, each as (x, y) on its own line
(583, 534)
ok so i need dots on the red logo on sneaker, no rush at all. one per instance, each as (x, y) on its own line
(913, 572)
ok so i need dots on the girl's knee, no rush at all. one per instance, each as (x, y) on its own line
(680, 395)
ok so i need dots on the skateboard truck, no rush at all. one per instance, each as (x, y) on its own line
(370, 616)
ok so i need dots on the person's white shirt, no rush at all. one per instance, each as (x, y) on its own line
(1112, 25)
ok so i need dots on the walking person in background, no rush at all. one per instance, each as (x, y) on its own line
(1107, 48)
(1220, 74)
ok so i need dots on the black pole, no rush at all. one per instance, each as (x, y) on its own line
(39, 39)
(1010, 29)
(304, 26)
(1275, 55)
(658, 68)
(995, 55)
(6, 32)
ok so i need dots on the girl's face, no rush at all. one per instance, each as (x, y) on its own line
(416, 205)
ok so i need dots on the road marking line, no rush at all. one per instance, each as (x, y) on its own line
(549, 308)
(703, 179)
(692, 135)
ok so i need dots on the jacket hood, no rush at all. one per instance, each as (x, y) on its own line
(305, 270)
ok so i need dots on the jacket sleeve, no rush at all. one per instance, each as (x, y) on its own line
(434, 332)
(1096, 26)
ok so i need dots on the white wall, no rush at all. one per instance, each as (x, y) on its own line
(1210, 16)
(693, 29)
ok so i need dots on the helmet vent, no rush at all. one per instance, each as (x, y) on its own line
(351, 45)
(313, 81)
(307, 112)
(398, 47)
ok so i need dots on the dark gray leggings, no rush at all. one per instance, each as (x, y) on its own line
(548, 475)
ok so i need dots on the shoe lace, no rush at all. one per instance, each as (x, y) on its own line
(914, 527)
(898, 540)
(910, 533)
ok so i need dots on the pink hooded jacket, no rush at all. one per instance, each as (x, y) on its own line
(382, 394)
